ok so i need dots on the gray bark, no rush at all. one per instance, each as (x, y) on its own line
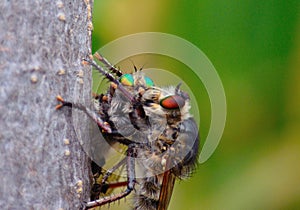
(42, 43)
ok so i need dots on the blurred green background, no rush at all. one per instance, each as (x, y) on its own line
(255, 47)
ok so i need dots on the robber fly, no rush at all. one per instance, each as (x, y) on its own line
(154, 123)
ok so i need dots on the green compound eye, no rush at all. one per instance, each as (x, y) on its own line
(127, 80)
(172, 102)
(149, 82)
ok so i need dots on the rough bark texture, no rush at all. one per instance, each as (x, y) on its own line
(42, 43)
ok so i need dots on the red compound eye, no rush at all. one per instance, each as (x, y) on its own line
(172, 102)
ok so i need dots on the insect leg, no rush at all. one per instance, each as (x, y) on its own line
(108, 64)
(103, 187)
(94, 116)
(130, 183)
(110, 171)
(110, 77)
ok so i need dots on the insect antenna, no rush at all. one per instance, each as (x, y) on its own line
(134, 66)
(143, 66)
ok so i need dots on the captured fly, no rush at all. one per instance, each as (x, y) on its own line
(155, 126)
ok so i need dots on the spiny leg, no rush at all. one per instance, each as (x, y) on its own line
(110, 77)
(110, 171)
(130, 183)
(108, 64)
(103, 187)
(94, 116)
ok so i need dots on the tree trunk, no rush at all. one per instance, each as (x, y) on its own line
(42, 163)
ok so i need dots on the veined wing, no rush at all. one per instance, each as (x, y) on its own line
(166, 190)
